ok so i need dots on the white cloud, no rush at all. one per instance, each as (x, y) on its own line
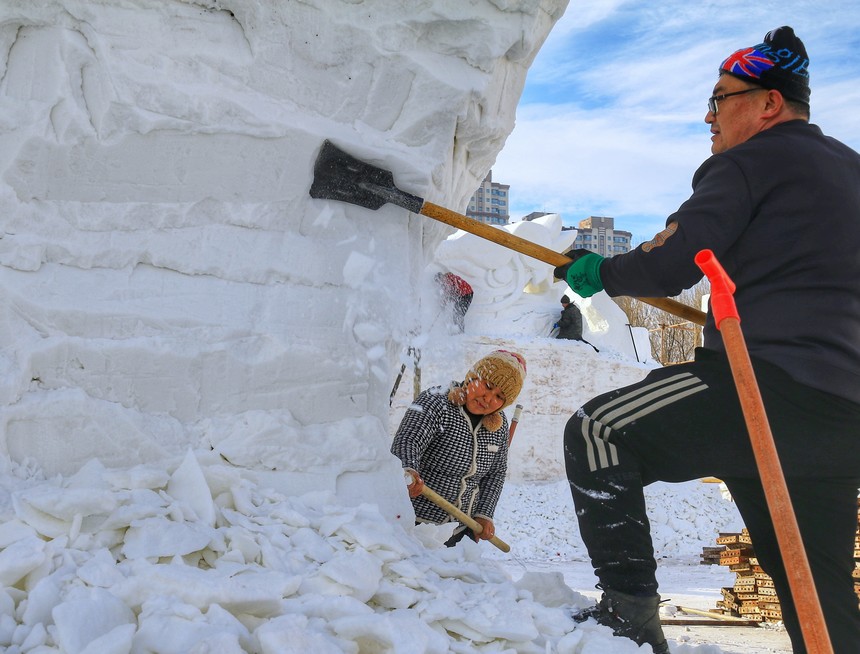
(612, 118)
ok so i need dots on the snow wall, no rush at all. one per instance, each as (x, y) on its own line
(167, 283)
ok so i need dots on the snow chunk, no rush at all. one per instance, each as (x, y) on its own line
(188, 485)
(88, 614)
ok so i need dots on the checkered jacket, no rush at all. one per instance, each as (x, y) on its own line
(466, 466)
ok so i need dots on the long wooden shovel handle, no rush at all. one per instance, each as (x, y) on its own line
(711, 614)
(340, 176)
(784, 521)
(442, 503)
(541, 253)
(785, 525)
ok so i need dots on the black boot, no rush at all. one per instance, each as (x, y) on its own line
(636, 618)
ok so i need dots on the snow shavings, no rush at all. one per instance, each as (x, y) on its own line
(201, 554)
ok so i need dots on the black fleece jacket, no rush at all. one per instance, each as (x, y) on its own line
(781, 212)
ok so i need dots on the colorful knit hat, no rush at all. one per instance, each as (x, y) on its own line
(503, 369)
(780, 62)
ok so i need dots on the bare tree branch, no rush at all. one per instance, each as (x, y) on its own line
(671, 341)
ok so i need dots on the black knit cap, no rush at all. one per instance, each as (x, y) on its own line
(779, 62)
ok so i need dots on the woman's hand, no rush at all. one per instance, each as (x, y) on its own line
(416, 485)
(488, 529)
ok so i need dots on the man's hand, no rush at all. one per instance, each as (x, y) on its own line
(488, 529)
(560, 272)
(582, 274)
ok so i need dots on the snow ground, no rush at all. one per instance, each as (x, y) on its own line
(194, 557)
(536, 518)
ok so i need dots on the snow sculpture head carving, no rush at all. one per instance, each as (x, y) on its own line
(506, 283)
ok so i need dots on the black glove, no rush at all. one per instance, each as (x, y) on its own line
(560, 272)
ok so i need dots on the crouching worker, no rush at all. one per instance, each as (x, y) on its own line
(455, 440)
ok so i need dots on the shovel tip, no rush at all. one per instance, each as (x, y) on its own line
(340, 176)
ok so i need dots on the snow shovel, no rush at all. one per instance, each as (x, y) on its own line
(340, 176)
(452, 510)
(767, 459)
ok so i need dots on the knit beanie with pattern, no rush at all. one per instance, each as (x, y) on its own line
(504, 369)
(779, 62)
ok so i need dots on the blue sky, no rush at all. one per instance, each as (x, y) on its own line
(611, 121)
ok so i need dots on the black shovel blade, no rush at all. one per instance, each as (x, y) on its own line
(340, 176)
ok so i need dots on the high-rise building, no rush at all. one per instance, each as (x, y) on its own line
(598, 234)
(489, 204)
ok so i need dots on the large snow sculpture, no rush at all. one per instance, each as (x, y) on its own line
(166, 282)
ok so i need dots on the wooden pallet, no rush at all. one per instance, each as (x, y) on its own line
(711, 555)
(735, 555)
(753, 596)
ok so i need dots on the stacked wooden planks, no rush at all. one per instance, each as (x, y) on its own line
(752, 596)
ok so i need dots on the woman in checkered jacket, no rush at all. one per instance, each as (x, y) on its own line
(455, 441)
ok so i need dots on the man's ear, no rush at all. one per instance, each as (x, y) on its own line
(774, 104)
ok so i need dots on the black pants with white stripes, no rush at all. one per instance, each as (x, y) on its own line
(685, 422)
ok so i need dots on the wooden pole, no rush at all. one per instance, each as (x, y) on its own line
(452, 510)
(442, 503)
(541, 253)
(711, 614)
(776, 494)
(340, 176)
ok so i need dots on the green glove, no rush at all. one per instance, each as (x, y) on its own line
(583, 273)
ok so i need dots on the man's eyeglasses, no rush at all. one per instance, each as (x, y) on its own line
(714, 99)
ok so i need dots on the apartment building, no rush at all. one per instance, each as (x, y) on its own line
(489, 204)
(598, 234)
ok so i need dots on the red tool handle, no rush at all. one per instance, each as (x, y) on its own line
(722, 288)
(785, 525)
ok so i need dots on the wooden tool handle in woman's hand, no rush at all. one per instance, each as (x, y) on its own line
(411, 477)
(442, 503)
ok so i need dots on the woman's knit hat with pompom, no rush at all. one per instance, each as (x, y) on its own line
(503, 369)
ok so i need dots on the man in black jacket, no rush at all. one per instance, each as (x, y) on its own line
(779, 205)
(570, 321)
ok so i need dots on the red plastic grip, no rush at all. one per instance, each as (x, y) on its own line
(722, 287)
